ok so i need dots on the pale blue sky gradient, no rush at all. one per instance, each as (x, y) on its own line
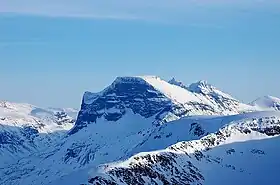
(51, 54)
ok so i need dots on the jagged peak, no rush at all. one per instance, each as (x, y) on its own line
(173, 81)
(194, 87)
(202, 86)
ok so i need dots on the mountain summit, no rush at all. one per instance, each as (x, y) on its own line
(150, 96)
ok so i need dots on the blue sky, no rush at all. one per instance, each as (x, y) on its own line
(53, 51)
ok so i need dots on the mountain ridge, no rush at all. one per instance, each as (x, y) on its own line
(131, 116)
(137, 92)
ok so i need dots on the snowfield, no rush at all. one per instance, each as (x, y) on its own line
(241, 152)
(142, 130)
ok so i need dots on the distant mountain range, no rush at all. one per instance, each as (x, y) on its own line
(26, 129)
(142, 130)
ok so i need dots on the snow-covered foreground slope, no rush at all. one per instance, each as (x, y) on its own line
(85, 155)
(26, 129)
(244, 151)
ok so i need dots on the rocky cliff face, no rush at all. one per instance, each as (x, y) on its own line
(125, 93)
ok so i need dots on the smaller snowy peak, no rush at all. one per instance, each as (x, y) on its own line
(218, 98)
(202, 87)
(205, 88)
(267, 103)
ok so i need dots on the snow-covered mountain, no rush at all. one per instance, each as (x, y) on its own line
(150, 96)
(132, 115)
(26, 129)
(267, 103)
(243, 151)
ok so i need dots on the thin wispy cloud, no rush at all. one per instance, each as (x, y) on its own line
(124, 9)
(22, 43)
